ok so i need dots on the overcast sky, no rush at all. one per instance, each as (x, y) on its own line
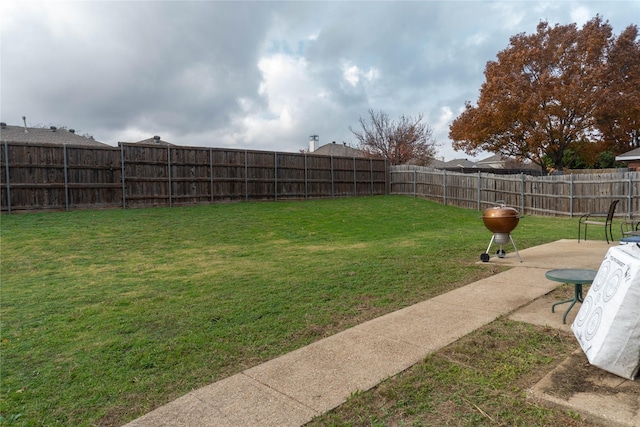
(259, 75)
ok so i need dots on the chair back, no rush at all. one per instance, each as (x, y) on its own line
(612, 210)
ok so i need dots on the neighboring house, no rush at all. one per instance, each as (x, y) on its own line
(459, 164)
(339, 150)
(632, 158)
(437, 163)
(51, 135)
(496, 162)
(155, 140)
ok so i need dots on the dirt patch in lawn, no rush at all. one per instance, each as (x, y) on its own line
(577, 376)
(480, 379)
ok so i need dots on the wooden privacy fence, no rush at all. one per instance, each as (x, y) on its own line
(54, 177)
(571, 195)
(46, 176)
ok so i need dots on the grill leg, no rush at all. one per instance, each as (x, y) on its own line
(514, 247)
(490, 243)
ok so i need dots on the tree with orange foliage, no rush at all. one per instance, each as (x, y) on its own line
(618, 115)
(401, 141)
(552, 91)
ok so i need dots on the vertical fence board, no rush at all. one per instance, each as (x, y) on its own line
(5, 191)
(319, 176)
(190, 175)
(291, 176)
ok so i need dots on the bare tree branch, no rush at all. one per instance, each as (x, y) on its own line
(406, 140)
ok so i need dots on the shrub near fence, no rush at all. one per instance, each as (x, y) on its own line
(571, 195)
(46, 176)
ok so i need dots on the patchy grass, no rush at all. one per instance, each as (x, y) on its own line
(479, 380)
(107, 315)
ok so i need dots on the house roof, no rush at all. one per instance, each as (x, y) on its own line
(437, 163)
(339, 150)
(45, 136)
(155, 140)
(460, 163)
(495, 160)
(629, 155)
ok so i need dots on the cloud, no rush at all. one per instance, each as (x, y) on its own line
(353, 75)
(442, 123)
(259, 75)
(580, 15)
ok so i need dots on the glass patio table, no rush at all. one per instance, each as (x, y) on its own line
(574, 276)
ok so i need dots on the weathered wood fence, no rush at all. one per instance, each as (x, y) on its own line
(571, 195)
(59, 177)
(45, 176)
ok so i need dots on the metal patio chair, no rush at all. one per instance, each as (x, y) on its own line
(603, 219)
(631, 225)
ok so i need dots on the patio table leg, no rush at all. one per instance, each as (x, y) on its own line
(577, 297)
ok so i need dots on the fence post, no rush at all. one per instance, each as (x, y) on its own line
(66, 179)
(479, 188)
(275, 175)
(355, 182)
(246, 177)
(571, 196)
(629, 198)
(387, 177)
(169, 172)
(522, 192)
(371, 174)
(444, 186)
(306, 177)
(388, 185)
(6, 170)
(332, 180)
(415, 180)
(124, 187)
(211, 172)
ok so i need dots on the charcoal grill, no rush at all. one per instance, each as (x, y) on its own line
(501, 220)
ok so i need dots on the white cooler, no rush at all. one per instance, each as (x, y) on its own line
(608, 323)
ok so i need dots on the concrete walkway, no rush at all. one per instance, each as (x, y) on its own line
(290, 390)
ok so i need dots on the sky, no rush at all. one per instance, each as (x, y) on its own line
(259, 75)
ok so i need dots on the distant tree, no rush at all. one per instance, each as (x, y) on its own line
(511, 163)
(573, 160)
(606, 159)
(618, 114)
(398, 141)
(555, 90)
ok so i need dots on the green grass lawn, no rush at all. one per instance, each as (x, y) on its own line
(109, 314)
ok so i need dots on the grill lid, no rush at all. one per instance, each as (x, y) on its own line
(501, 219)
